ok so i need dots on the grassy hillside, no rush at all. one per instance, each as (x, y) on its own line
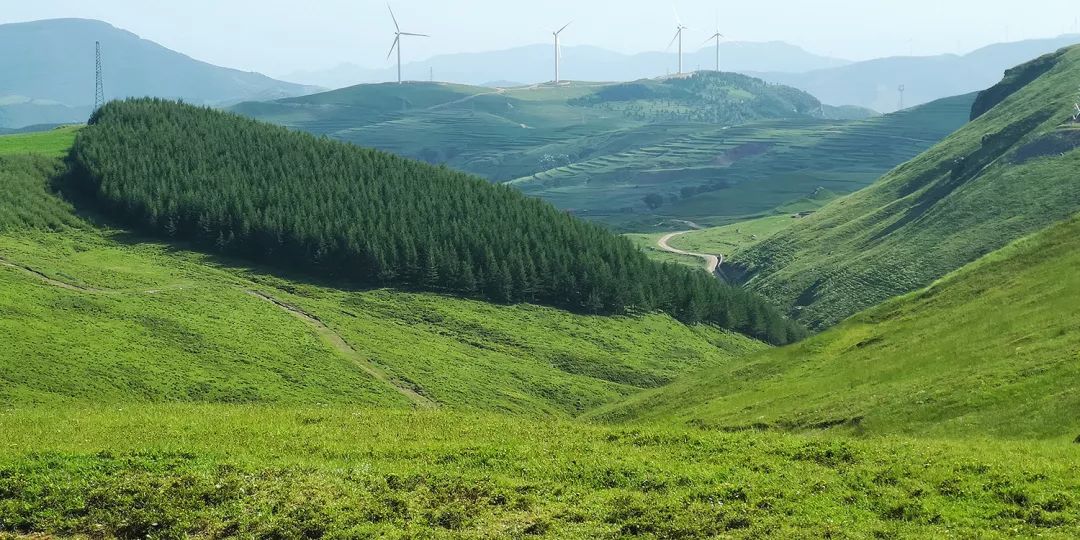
(1005, 175)
(85, 308)
(329, 209)
(990, 351)
(715, 175)
(321, 472)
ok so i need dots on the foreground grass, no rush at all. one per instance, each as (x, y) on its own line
(216, 471)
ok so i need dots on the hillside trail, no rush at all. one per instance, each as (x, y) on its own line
(340, 345)
(41, 276)
(324, 332)
(496, 91)
(712, 262)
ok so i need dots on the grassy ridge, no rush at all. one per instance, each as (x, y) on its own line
(991, 350)
(212, 471)
(1005, 175)
(507, 133)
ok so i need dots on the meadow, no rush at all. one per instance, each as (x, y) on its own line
(213, 471)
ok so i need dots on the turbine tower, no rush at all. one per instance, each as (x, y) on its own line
(678, 36)
(717, 36)
(901, 89)
(558, 52)
(397, 41)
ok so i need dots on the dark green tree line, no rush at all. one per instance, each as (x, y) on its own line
(291, 199)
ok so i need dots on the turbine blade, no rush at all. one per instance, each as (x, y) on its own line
(564, 27)
(393, 17)
(679, 32)
(678, 19)
(417, 35)
(392, 47)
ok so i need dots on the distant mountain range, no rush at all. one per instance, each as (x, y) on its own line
(47, 72)
(875, 84)
(535, 64)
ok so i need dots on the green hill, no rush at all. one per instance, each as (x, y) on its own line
(503, 134)
(716, 174)
(1007, 174)
(990, 351)
(92, 314)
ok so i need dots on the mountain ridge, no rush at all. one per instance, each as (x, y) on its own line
(52, 60)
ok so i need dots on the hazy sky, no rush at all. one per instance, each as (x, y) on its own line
(277, 36)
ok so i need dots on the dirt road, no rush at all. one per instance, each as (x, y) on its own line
(712, 262)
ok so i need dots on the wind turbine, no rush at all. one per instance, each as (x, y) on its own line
(558, 52)
(397, 41)
(678, 37)
(717, 36)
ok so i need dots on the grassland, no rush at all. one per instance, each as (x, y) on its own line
(339, 472)
(53, 143)
(86, 306)
(1005, 175)
(990, 351)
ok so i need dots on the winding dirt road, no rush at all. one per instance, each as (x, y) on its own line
(712, 262)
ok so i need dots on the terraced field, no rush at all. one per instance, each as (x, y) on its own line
(715, 175)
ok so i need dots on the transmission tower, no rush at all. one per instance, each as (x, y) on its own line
(99, 87)
(900, 106)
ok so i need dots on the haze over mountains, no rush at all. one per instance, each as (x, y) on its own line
(872, 84)
(534, 64)
(47, 72)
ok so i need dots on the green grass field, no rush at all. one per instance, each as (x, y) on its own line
(990, 351)
(211, 471)
(1005, 175)
(53, 143)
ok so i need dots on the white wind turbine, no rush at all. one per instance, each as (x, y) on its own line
(717, 36)
(397, 41)
(678, 37)
(558, 52)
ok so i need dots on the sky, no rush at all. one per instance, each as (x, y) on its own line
(277, 37)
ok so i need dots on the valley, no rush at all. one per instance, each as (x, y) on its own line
(701, 305)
